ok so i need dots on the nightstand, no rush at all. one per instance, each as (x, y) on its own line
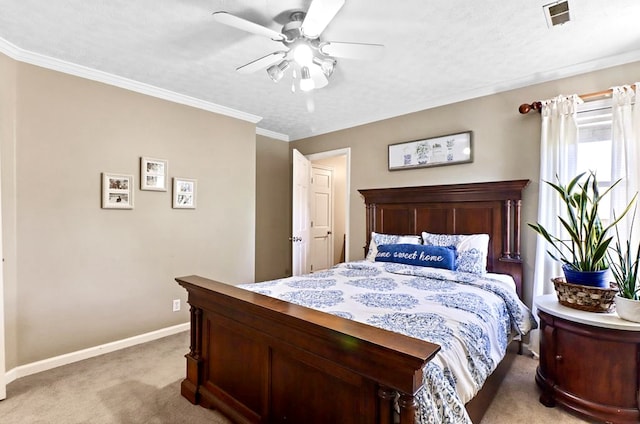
(589, 362)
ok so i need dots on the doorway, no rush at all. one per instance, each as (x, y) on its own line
(3, 379)
(340, 163)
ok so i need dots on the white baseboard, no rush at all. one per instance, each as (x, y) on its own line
(69, 358)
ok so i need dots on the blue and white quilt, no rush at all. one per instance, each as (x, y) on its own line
(471, 317)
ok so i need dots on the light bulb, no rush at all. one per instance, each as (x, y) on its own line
(306, 83)
(276, 72)
(302, 54)
(327, 65)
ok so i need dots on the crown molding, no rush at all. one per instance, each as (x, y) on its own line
(272, 134)
(54, 64)
(9, 49)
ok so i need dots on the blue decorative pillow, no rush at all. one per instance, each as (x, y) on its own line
(472, 249)
(417, 254)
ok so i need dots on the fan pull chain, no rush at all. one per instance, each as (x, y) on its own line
(293, 80)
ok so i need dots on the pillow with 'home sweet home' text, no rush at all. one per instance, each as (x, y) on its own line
(472, 249)
(380, 238)
(419, 255)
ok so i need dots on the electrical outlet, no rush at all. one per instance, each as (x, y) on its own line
(176, 305)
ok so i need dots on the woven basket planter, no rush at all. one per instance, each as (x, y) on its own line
(585, 298)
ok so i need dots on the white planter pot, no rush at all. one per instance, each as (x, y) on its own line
(628, 309)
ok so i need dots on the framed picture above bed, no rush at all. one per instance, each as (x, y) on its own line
(117, 191)
(153, 174)
(184, 193)
(435, 151)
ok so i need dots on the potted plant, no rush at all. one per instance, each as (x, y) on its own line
(584, 252)
(625, 264)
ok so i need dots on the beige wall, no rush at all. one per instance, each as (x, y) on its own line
(8, 82)
(273, 209)
(78, 276)
(506, 147)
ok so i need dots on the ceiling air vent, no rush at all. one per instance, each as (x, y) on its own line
(556, 13)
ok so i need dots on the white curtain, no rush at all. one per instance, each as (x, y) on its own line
(625, 157)
(558, 157)
(558, 150)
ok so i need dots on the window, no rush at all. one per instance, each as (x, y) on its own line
(594, 145)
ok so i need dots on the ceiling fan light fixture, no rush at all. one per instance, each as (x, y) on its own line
(302, 54)
(306, 83)
(312, 60)
(276, 72)
(326, 65)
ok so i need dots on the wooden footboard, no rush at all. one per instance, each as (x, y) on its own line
(261, 360)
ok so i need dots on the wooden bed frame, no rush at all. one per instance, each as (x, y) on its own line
(262, 360)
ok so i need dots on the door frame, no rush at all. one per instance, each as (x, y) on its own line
(347, 201)
(3, 356)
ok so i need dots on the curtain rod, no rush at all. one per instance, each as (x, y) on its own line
(537, 106)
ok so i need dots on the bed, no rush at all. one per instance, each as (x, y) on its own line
(258, 358)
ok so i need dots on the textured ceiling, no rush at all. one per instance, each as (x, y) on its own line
(436, 52)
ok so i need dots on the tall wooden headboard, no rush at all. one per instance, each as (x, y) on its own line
(478, 208)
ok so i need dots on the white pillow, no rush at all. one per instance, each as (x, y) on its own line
(379, 238)
(472, 249)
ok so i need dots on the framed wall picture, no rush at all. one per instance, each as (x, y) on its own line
(117, 191)
(436, 151)
(184, 193)
(153, 174)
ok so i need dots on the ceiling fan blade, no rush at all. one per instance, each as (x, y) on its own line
(320, 13)
(262, 63)
(248, 26)
(361, 51)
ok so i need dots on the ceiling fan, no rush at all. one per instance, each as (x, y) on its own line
(311, 59)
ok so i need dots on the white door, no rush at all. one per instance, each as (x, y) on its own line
(321, 218)
(300, 214)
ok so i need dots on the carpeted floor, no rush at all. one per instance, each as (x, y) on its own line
(118, 388)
